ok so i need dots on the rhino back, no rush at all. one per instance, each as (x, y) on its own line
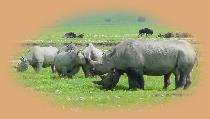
(92, 52)
(65, 60)
(153, 57)
(45, 55)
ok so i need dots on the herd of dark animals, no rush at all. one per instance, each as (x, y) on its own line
(148, 31)
(175, 35)
(143, 31)
(73, 35)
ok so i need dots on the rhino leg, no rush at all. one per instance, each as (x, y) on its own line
(166, 80)
(73, 72)
(182, 80)
(140, 80)
(132, 81)
(37, 67)
(135, 80)
(53, 68)
(188, 81)
(177, 77)
(86, 71)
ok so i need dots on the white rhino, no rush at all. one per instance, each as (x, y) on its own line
(38, 57)
(142, 57)
(68, 63)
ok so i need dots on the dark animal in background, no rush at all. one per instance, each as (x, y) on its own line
(146, 31)
(175, 35)
(167, 35)
(80, 35)
(70, 35)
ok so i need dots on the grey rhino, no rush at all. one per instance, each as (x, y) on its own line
(91, 52)
(68, 63)
(38, 57)
(142, 57)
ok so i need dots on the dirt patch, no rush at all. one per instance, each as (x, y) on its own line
(77, 44)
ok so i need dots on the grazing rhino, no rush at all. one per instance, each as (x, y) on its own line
(146, 31)
(38, 57)
(90, 52)
(142, 57)
(68, 63)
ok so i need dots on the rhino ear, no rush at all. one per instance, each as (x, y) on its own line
(113, 52)
(78, 52)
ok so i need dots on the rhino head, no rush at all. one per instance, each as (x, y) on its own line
(104, 65)
(22, 65)
(82, 61)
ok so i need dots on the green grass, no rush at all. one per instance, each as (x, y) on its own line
(80, 91)
(97, 30)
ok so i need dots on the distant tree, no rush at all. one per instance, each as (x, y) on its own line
(108, 20)
(141, 19)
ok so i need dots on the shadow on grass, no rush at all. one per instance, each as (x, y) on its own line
(123, 88)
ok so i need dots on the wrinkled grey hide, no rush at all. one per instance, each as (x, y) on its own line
(155, 58)
(38, 57)
(91, 52)
(68, 63)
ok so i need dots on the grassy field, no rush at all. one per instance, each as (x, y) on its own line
(80, 91)
(96, 29)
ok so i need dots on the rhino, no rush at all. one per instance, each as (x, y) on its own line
(38, 57)
(142, 57)
(68, 63)
(90, 52)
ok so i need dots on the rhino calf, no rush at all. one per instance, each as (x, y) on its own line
(38, 57)
(68, 63)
